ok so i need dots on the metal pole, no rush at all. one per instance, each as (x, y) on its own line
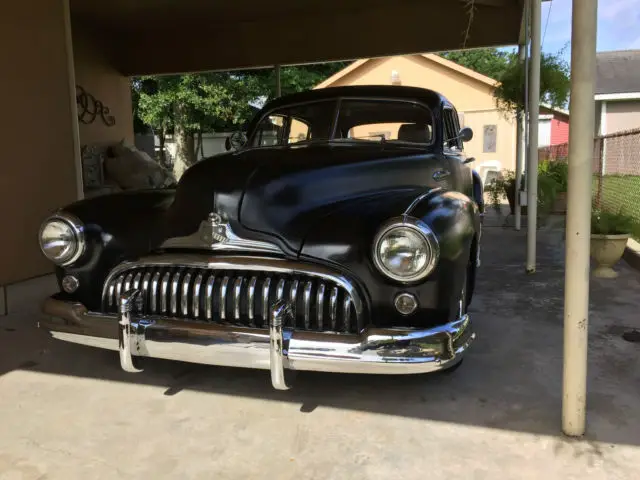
(534, 111)
(278, 83)
(578, 229)
(520, 146)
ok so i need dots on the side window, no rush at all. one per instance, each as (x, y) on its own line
(450, 131)
(298, 131)
(269, 131)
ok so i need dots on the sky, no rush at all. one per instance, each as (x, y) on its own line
(618, 22)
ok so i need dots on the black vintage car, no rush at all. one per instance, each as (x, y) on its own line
(340, 234)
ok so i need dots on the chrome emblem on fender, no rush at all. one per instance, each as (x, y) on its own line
(440, 175)
(213, 230)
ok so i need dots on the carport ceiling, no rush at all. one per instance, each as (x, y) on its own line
(171, 36)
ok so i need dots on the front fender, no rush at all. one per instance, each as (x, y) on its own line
(117, 227)
(344, 238)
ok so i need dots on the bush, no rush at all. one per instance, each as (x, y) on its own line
(604, 222)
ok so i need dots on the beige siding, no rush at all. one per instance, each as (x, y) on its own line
(97, 77)
(471, 97)
(37, 161)
(622, 115)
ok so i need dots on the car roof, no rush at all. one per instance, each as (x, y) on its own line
(430, 97)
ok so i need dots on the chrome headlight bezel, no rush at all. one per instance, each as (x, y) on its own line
(76, 226)
(417, 226)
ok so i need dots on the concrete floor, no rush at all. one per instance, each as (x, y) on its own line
(68, 411)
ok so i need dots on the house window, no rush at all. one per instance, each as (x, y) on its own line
(490, 134)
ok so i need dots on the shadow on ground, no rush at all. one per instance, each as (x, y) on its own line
(511, 378)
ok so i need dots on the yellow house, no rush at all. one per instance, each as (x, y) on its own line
(494, 141)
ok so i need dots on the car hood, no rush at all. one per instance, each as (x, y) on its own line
(280, 194)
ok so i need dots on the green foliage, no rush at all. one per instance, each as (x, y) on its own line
(604, 222)
(195, 102)
(558, 171)
(549, 186)
(487, 61)
(555, 83)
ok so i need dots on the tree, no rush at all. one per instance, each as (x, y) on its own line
(487, 61)
(506, 68)
(555, 83)
(191, 104)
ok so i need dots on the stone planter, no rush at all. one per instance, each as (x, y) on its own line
(606, 251)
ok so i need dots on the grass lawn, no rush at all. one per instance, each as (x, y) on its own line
(620, 192)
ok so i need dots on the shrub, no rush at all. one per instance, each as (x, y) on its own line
(604, 222)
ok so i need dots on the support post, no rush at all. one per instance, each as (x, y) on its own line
(278, 82)
(534, 112)
(520, 146)
(578, 228)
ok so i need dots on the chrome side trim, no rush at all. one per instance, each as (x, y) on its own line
(420, 198)
(248, 263)
(136, 281)
(112, 291)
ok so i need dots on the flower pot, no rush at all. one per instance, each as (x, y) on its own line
(560, 204)
(607, 250)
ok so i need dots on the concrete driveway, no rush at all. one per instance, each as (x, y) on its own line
(69, 411)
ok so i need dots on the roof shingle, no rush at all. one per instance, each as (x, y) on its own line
(618, 72)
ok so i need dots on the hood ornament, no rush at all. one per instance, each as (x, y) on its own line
(215, 233)
(214, 229)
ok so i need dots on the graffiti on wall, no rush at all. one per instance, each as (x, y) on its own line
(90, 108)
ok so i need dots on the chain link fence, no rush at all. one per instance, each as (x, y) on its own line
(616, 171)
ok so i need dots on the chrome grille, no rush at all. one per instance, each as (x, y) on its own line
(237, 296)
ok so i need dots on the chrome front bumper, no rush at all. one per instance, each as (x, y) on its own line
(374, 350)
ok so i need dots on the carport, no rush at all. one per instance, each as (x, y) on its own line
(41, 39)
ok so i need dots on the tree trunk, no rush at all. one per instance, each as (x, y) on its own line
(162, 157)
(199, 146)
(185, 151)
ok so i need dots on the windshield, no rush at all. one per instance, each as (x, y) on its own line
(388, 121)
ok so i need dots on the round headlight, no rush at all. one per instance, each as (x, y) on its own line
(62, 239)
(405, 250)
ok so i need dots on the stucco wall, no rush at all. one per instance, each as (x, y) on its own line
(471, 98)
(100, 79)
(623, 115)
(37, 158)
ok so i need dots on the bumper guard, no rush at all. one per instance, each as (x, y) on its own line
(374, 350)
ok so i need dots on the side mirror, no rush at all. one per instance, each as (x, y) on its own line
(235, 141)
(466, 134)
